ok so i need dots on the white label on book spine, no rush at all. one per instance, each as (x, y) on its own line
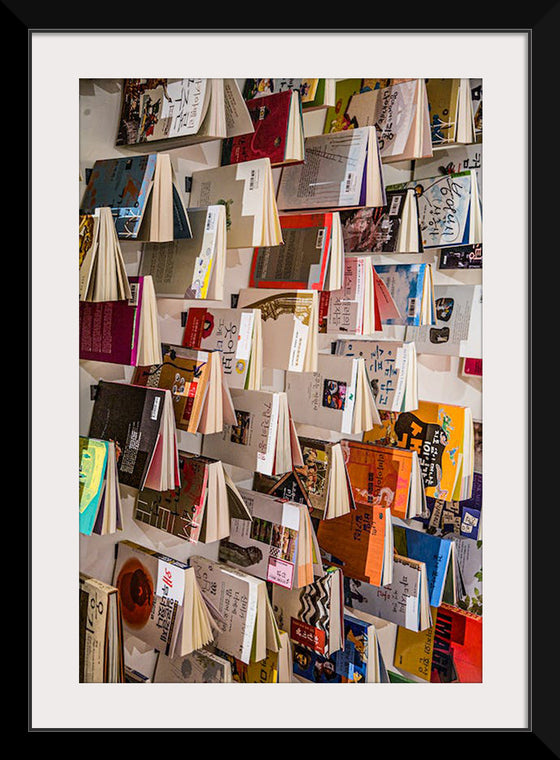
(244, 339)
(171, 582)
(299, 342)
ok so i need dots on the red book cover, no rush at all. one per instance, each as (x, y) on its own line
(301, 261)
(270, 115)
(457, 648)
(194, 329)
(109, 330)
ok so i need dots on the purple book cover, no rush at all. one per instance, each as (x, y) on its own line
(109, 330)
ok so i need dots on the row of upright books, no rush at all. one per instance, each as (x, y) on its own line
(347, 560)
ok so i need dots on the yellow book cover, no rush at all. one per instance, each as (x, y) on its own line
(414, 650)
(335, 118)
(437, 432)
(443, 98)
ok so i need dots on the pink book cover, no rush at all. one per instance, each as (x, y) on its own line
(109, 330)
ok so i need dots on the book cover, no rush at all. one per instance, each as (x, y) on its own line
(109, 330)
(443, 102)
(379, 475)
(374, 229)
(413, 651)
(461, 257)
(307, 614)
(435, 552)
(301, 262)
(398, 602)
(469, 563)
(229, 331)
(308, 88)
(408, 285)
(457, 646)
(267, 545)
(356, 542)
(455, 518)
(336, 119)
(288, 486)
(180, 511)
(270, 115)
(93, 465)
(131, 416)
(436, 432)
(151, 587)
(201, 666)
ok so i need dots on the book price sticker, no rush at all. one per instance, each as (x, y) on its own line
(281, 572)
(171, 581)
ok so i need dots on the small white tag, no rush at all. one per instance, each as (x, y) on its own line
(171, 582)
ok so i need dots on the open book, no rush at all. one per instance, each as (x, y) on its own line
(311, 257)
(391, 366)
(277, 545)
(201, 397)
(141, 422)
(236, 334)
(102, 271)
(162, 604)
(263, 438)
(100, 497)
(341, 170)
(200, 509)
(411, 288)
(451, 111)
(122, 332)
(289, 326)
(143, 196)
(277, 131)
(337, 396)
(314, 93)
(170, 113)
(241, 608)
(101, 632)
(247, 192)
(190, 267)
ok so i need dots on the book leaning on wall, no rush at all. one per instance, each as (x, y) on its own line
(122, 332)
(143, 196)
(141, 422)
(201, 509)
(170, 113)
(190, 267)
(236, 334)
(341, 170)
(263, 438)
(289, 323)
(279, 543)
(391, 366)
(201, 397)
(162, 604)
(101, 654)
(99, 490)
(337, 396)
(247, 192)
(102, 271)
(241, 609)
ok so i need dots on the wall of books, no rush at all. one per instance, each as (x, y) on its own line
(280, 350)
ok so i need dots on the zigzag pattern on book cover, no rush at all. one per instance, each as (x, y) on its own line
(315, 605)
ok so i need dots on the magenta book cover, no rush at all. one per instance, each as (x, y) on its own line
(109, 330)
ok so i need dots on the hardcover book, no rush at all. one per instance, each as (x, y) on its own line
(277, 131)
(247, 192)
(143, 196)
(141, 423)
(311, 256)
(190, 267)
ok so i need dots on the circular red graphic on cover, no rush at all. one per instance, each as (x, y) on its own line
(137, 593)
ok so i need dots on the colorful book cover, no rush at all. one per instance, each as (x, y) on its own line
(356, 542)
(457, 646)
(270, 115)
(434, 552)
(336, 119)
(131, 416)
(257, 88)
(461, 257)
(437, 433)
(455, 518)
(302, 261)
(180, 511)
(123, 184)
(263, 671)
(93, 465)
(407, 285)
(414, 650)
(109, 330)
(374, 229)
(443, 102)
(379, 475)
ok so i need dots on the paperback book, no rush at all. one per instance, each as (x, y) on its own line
(102, 270)
(101, 652)
(201, 666)
(412, 289)
(450, 111)
(99, 490)
(314, 93)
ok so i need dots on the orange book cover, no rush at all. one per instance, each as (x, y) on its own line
(379, 475)
(357, 542)
(436, 432)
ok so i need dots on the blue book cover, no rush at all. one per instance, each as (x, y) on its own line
(405, 283)
(434, 551)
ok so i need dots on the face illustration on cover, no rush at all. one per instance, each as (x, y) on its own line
(137, 592)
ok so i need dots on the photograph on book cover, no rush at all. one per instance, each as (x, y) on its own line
(456, 652)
